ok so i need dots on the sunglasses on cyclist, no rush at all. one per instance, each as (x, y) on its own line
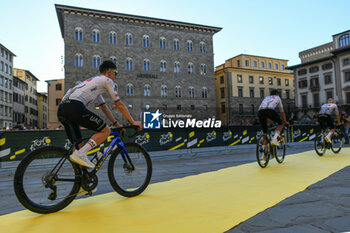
(115, 71)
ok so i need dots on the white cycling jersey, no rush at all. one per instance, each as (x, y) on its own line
(329, 109)
(271, 102)
(91, 90)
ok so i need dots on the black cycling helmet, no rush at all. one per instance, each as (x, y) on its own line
(274, 92)
(108, 64)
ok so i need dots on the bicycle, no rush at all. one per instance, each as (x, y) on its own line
(321, 145)
(269, 151)
(36, 187)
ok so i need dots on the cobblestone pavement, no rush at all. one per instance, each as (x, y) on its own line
(323, 207)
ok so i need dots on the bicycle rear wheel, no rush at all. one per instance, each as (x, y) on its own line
(43, 187)
(262, 155)
(319, 145)
(280, 150)
(337, 142)
(130, 174)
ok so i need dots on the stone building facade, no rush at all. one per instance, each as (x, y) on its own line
(324, 73)
(243, 81)
(42, 110)
(55, 93)
(30, 97)
(162, 64)
(18, 100)
(6, 90)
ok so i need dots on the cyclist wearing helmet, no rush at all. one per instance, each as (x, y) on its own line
(267, 111)
(72, 112)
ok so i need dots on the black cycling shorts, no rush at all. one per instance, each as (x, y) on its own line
(325, 120)
(73, 114)
(265, 114)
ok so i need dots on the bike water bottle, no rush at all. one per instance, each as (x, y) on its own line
(97, 157)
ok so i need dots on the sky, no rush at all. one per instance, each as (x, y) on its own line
(269, 28)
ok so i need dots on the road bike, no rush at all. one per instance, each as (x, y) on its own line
(47, 181)
(321, 145)
(266, 151)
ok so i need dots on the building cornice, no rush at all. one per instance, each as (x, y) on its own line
(309, 63)
(253, 70)
(63, 9)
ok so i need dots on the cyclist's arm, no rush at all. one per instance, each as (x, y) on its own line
(126, 114)
(337, 114)
(280, 105)
(105, 109)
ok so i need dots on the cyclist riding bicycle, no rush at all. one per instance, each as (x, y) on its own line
(325, 119)
(72, 111)
(267, 111)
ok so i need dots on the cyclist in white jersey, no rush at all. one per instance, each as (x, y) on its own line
(324, 117)
(72, 112)
(267, 111)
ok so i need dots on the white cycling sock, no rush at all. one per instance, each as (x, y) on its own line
(277, 133)
(88, 146)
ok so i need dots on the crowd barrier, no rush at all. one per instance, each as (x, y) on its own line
(14, 145)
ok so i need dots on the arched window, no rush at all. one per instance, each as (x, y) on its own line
(176, 44)
(190, 68)
(112, 37)
(202, 48)
(145, 41)
(114, 59)
(203, 69)
(163, 91)
(344, 40)
(95, 35)
(96, 61)
(129, 89)
(191, 92)
(162, 66)
(176, 67)
(78, 35)
(147, 90)
(178, 91)
(189, 46)
(128, 64)
(128, 39)
(146, 65)
(162, 43)
(78, 60)
(204, 93)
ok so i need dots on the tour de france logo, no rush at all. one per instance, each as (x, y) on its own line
(151, 120)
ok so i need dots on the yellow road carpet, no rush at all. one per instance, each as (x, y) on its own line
(209, 202)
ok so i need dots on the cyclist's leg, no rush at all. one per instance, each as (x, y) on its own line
(330, 123)
(274, 117)
(92, 121)
(263, 121)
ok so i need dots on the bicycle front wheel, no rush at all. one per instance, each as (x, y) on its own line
(280, 150)
(46, 181)
(130, 173)
(337, 142)
(262, 155)
(319, 145)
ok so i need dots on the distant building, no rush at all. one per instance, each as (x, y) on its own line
(30, 97)
(244, 80)
(42, 110)
(324, 73)
(163, 64)
(6, 91)
(55, 93)
(18, 100)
